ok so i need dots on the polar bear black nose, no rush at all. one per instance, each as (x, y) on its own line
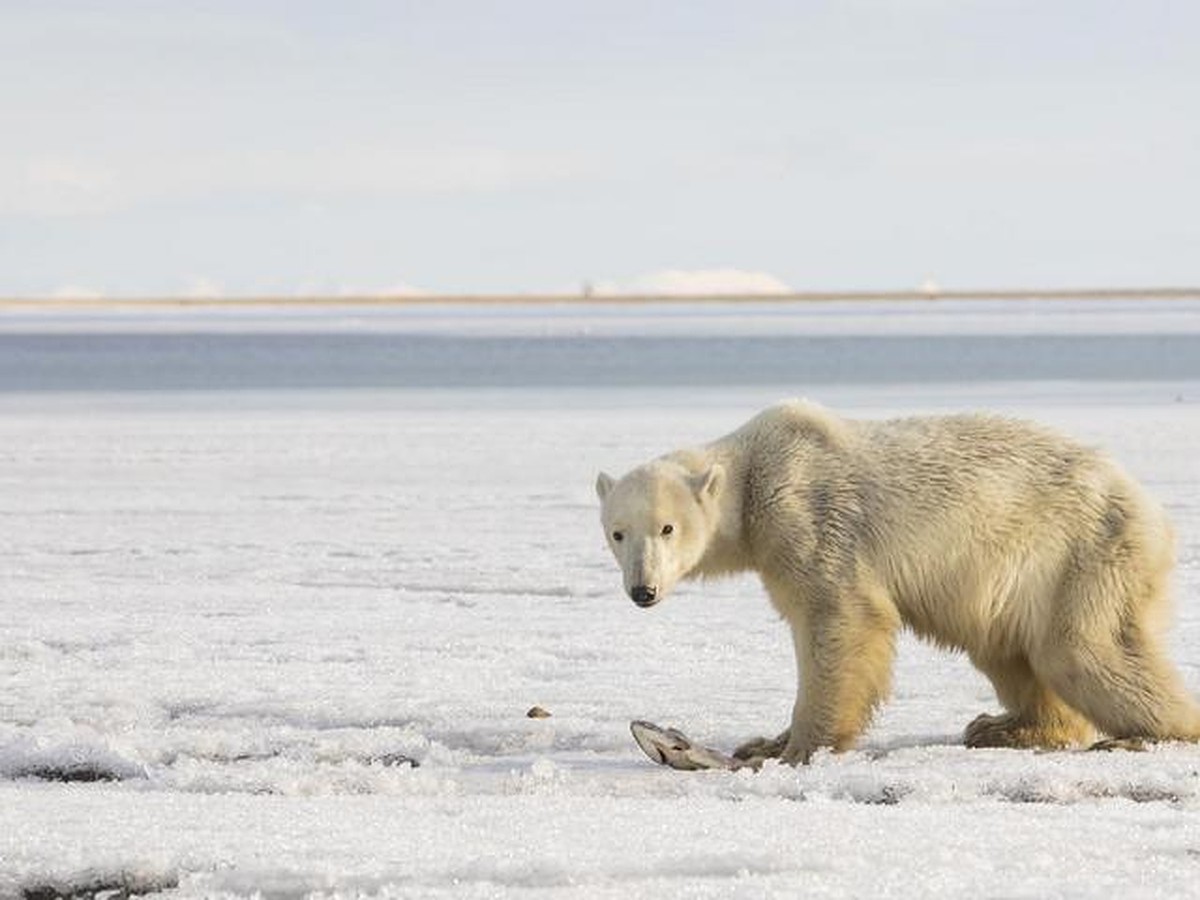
(643, 595)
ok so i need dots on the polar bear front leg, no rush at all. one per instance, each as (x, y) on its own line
(844, 652)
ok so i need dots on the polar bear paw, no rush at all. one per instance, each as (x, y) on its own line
(1009, 730)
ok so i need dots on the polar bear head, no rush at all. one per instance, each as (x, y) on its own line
(659, 520)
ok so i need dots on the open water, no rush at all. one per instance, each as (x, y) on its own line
(111, 361)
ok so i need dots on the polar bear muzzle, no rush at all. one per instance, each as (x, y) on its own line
(644, 595)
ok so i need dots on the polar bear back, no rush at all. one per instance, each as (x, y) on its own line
(968, 523)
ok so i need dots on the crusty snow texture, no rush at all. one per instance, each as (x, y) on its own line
(229, 621)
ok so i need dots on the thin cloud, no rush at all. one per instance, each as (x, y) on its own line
(201, 288)
(699, 282)
(396, 289)
(55, 187)
(76, 292)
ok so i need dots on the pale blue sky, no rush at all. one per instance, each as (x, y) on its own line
(249, 147)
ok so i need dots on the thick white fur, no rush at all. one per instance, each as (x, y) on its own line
(1036, 556)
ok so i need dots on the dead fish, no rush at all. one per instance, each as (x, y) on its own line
(671, 747)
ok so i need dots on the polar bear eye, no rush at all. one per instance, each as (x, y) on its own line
(668, 529)
(618, 536)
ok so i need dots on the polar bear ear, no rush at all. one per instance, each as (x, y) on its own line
(708, 485)
(604, 483)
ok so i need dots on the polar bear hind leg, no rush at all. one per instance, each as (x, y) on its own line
(1125, 686)
(1035, 716)
(1105, 659)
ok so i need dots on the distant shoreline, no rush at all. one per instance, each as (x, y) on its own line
(932, 296)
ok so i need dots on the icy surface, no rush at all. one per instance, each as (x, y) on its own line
(598, 318)
(231, 623)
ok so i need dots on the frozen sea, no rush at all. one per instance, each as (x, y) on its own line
(255, 563)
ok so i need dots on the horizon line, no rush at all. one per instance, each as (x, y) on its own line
(581, 297)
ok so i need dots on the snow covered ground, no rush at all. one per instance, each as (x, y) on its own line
(229, 621)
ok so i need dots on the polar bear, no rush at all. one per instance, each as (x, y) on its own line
(1036, 556)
